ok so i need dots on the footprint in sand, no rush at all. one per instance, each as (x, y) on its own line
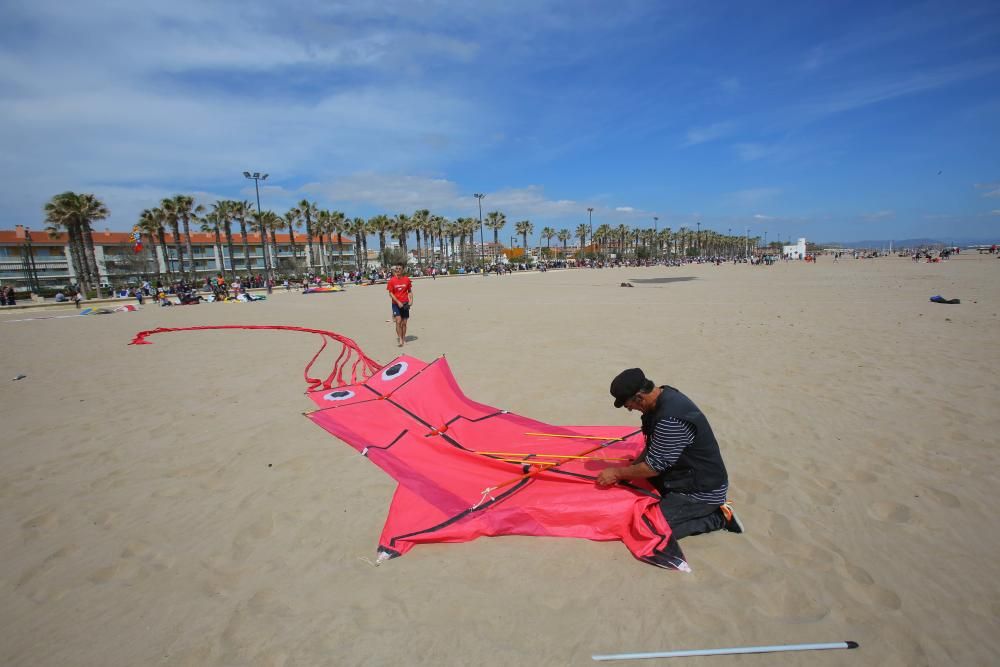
(863, 476)
(34, 582)
(880, 598)
(137, 559)
(773, 473)
(258, 530)
(859, 574)
(891, 512)
(944, 498)
(38, 524)
(793, 603)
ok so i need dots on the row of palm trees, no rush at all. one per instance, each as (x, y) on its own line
(626, 241)
(325, 230)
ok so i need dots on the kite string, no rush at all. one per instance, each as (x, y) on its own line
(368, 365)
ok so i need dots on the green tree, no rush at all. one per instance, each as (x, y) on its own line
(563, 235)
(74, 213)
(185, 209)
(581, 234)
(524, 228)
(309, 211)
(496, 221)
(151, 223)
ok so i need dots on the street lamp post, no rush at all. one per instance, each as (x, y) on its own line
(656, 235)
(699, 238)
(482, 245)
(590, 222)
(257, 177)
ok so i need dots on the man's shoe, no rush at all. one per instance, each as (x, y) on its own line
(733, 523)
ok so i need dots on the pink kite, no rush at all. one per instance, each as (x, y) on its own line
(465, 469)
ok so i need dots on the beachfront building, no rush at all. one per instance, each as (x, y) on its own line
(797, 251)
(34, 260)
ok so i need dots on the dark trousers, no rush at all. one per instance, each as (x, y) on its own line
(690, 517)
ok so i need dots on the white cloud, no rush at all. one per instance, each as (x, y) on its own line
(625, 209)
(753, 195)
(758, 216)
(991, 189)
(879, 215)
(995, 211)
(700, 135)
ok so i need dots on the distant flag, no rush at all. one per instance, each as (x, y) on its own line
(137, 239)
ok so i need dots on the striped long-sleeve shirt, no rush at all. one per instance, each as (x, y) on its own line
(669, 439)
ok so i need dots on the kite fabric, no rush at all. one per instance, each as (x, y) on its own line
(466, 470)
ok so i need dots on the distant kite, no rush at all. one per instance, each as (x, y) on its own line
(465, 469)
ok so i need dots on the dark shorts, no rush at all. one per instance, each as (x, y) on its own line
(403, 311)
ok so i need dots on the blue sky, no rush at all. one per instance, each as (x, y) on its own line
(831, 120)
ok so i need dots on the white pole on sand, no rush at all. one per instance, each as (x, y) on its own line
(726, 651)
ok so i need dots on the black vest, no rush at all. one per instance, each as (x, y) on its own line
(700, 466)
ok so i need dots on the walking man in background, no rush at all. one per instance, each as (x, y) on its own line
(401, 292)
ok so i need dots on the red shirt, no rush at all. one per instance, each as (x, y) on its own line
(400, 287)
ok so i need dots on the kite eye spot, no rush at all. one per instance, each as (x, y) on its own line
(396, 370)
(339, 395)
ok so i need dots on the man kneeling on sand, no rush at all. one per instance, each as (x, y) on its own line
(681, 458)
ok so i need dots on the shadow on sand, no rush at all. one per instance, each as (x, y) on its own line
(656, 281)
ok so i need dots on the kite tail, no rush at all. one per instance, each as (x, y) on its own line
(362, 367)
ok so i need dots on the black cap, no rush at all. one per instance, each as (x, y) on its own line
(626, 385)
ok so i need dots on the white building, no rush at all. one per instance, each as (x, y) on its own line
(797, 251)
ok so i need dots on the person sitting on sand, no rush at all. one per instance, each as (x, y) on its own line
(681, 458)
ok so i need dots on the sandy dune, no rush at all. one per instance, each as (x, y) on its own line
(168, 504)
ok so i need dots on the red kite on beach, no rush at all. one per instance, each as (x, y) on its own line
(466, 469)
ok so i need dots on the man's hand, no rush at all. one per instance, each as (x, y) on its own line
(608, 477)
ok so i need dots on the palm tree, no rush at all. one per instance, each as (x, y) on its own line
(74, 212)
(547, 234)
(274, 223)
(496, 221)
(358, 227)
(465, 227)
(602, 235)
(241, 210)
(291, 222)
(438, 223)
(320, 228)
(419, 224)
(524, 228)
(380, 224)
(451, 230)
(581, 233)
(151, 224)
(169, 207)
(308, 210)
(227, 228)
(621, 231)
(185, 209)
(211, 223)
(338, 223)
(400, 229)
(262, 222)
(224, 212)
(564, 236)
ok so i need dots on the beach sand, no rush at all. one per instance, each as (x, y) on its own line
(169, 504)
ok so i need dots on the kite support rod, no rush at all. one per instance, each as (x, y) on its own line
(585, 437)
(726, 651)
(550, 456)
